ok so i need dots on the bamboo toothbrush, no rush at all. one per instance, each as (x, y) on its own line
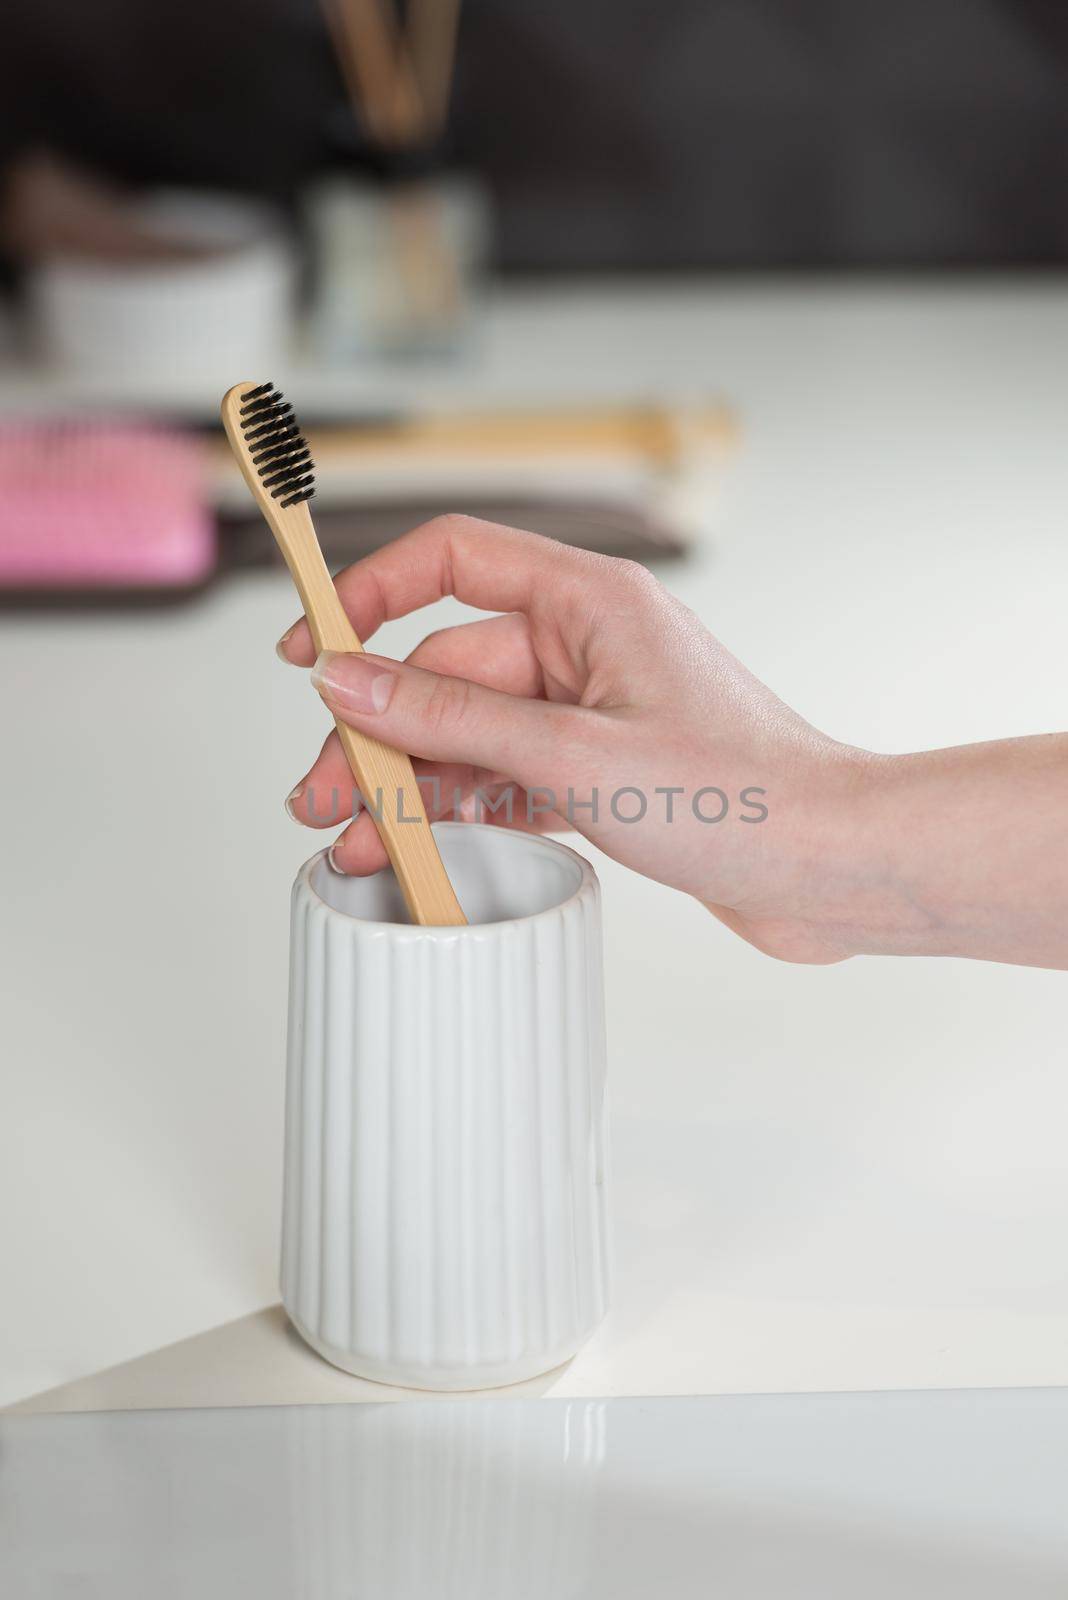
(278, 468)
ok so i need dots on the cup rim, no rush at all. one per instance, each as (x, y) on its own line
(587, 882)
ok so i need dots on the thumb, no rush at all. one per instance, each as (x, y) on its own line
(443, 718)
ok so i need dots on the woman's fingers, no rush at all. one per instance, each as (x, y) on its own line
(495, 651)
(483, 564)
(468, 701)
(452, 791)
(327, 793)
(359, 851)
(444, 718)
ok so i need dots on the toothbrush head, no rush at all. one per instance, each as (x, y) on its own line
(276, 448)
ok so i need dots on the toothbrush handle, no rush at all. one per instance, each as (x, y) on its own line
(385, 776)
(380, 771)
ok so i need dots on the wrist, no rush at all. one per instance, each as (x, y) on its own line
(844, 899)
(810, 889)
(891, 860)
(859, 900)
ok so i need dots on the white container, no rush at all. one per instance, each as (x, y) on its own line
(444, 1217)
(222, 303)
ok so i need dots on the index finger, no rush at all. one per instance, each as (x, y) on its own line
(484, 564)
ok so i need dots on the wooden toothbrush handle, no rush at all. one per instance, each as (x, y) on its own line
(385, 776)
(387, 782)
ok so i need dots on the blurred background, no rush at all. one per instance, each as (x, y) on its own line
(767, 293)
(326, 189)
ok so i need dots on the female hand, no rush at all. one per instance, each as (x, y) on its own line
(596, 701)
(599, 701)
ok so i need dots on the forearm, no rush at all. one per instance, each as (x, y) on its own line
(958, 852)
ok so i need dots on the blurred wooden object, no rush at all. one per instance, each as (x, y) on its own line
(432, 29)
(619, 480)
(658, 433)
(398, 77)
(376, 68)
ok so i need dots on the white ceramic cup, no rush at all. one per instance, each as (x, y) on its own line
(206, 316)
(444, 1221)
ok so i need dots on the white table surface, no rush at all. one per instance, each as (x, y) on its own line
(955, 1496)
(842, 1178)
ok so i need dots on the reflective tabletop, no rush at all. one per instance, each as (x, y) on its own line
(936, 1494)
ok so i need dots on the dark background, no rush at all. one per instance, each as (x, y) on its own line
(613, 133)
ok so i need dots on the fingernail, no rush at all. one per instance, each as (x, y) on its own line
(294, 794)
(332, 863)
(352, 683)
(280, 647)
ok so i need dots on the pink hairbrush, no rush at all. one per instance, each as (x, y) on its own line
(102, 506)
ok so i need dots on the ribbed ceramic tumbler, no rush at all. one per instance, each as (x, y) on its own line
(444, 1221)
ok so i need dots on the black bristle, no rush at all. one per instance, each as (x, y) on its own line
(295, 499)
(264, 427)
(255, 394)
(278, 451)
(273, 434)
(281, 443)
(301, 461)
